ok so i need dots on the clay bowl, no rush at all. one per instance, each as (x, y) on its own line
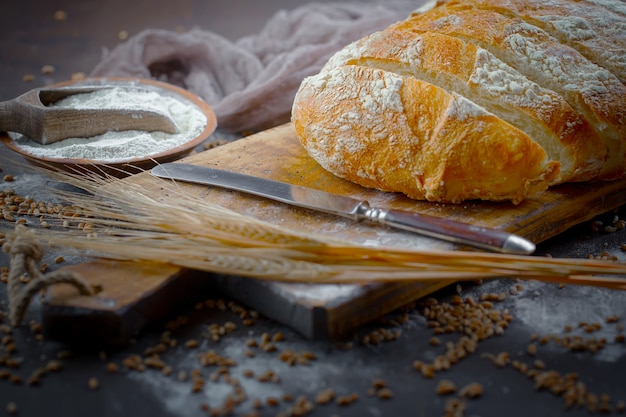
(123, 168)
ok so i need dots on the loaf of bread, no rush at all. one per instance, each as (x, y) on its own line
(477, 99)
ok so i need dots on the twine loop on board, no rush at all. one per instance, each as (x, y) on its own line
(26, 252)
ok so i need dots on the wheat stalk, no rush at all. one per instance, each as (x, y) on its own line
(130, 223)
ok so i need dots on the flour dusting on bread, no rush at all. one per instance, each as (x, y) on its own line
(475, 99)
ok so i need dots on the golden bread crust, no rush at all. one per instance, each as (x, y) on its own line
(596, 96)
(412, 136)
(477, 99)
(595, 28)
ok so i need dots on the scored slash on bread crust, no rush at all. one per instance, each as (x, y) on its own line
(595, 28)
(592, 91)
(412, 136)
(456, 65)
(473, 100)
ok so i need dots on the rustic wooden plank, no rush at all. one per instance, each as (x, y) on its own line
(332, 310)
(129, 296)
(277, 154)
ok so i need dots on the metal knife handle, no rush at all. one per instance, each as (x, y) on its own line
(452, 231)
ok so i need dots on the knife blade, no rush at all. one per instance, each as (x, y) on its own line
(355, 209)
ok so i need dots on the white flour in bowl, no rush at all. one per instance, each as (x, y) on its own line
(124, 145)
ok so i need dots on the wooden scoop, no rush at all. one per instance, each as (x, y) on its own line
(30, 115)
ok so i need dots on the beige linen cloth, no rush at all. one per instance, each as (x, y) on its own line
(251, 83)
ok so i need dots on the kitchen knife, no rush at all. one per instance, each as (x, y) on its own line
(440, 228)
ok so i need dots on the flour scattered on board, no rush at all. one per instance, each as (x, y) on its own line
(124, 145)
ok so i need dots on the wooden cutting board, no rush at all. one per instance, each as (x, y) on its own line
(134, 295)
